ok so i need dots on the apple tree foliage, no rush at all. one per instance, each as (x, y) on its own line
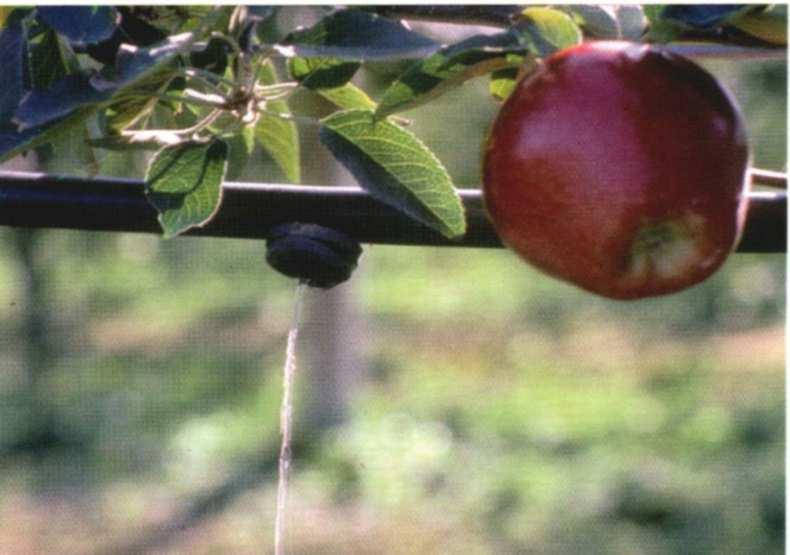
(201, 85)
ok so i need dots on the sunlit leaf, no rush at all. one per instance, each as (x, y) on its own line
(503, 82)
(769, 24)
(548, 30)
(321, 73)
(184, 184)
(396, 168)
(348, 97)
(448, 68)
(5, 11)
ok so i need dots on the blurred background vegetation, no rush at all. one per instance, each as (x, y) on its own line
(450, 401)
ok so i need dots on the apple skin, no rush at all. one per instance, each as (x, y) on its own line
(620, 168)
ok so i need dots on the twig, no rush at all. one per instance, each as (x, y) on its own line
(288, 117)
(489, 15)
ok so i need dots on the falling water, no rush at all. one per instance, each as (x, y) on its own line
(286, 417)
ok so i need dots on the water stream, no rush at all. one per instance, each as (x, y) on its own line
(286, 419)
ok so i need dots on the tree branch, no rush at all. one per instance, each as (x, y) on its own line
(489, 15)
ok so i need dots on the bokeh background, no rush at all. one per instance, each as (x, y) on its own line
(450, 400)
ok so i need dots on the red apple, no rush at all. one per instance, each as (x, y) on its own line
(619, 167)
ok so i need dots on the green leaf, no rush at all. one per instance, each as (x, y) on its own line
(348, 97)
(214, 57)
(238, 154)
(68, 152)
(357, 35)
(330, 78)
(12, 54)
(39, 107)
(137, 66)
(396, 168)
(80, 24)
(448, 68)
(184, 184)
(703, 16)
(46, 60)
(321, 73)
(5, 11)
(769, 24)
(14, 141)
(128, 110)
(138, 71)
(277, 136)
(503, 82)
(548, 30)
(659, 29)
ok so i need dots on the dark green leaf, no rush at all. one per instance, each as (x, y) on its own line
(133, 65)
(702, 16)
(277, 136)
(503, 81)
(184, 184)
(12, 54)
(548, 30)
(448, 68)
(321, 73)
(357, 35)
(167, 19)
(141, 68)
(396, 168)
(80, 24)
(214, 57)
(660, 29)
(14, 142)
(47, 60)
(66, 96)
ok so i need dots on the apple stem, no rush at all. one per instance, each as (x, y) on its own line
(724, 51)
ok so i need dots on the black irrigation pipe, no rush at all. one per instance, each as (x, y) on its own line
(250, 210)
